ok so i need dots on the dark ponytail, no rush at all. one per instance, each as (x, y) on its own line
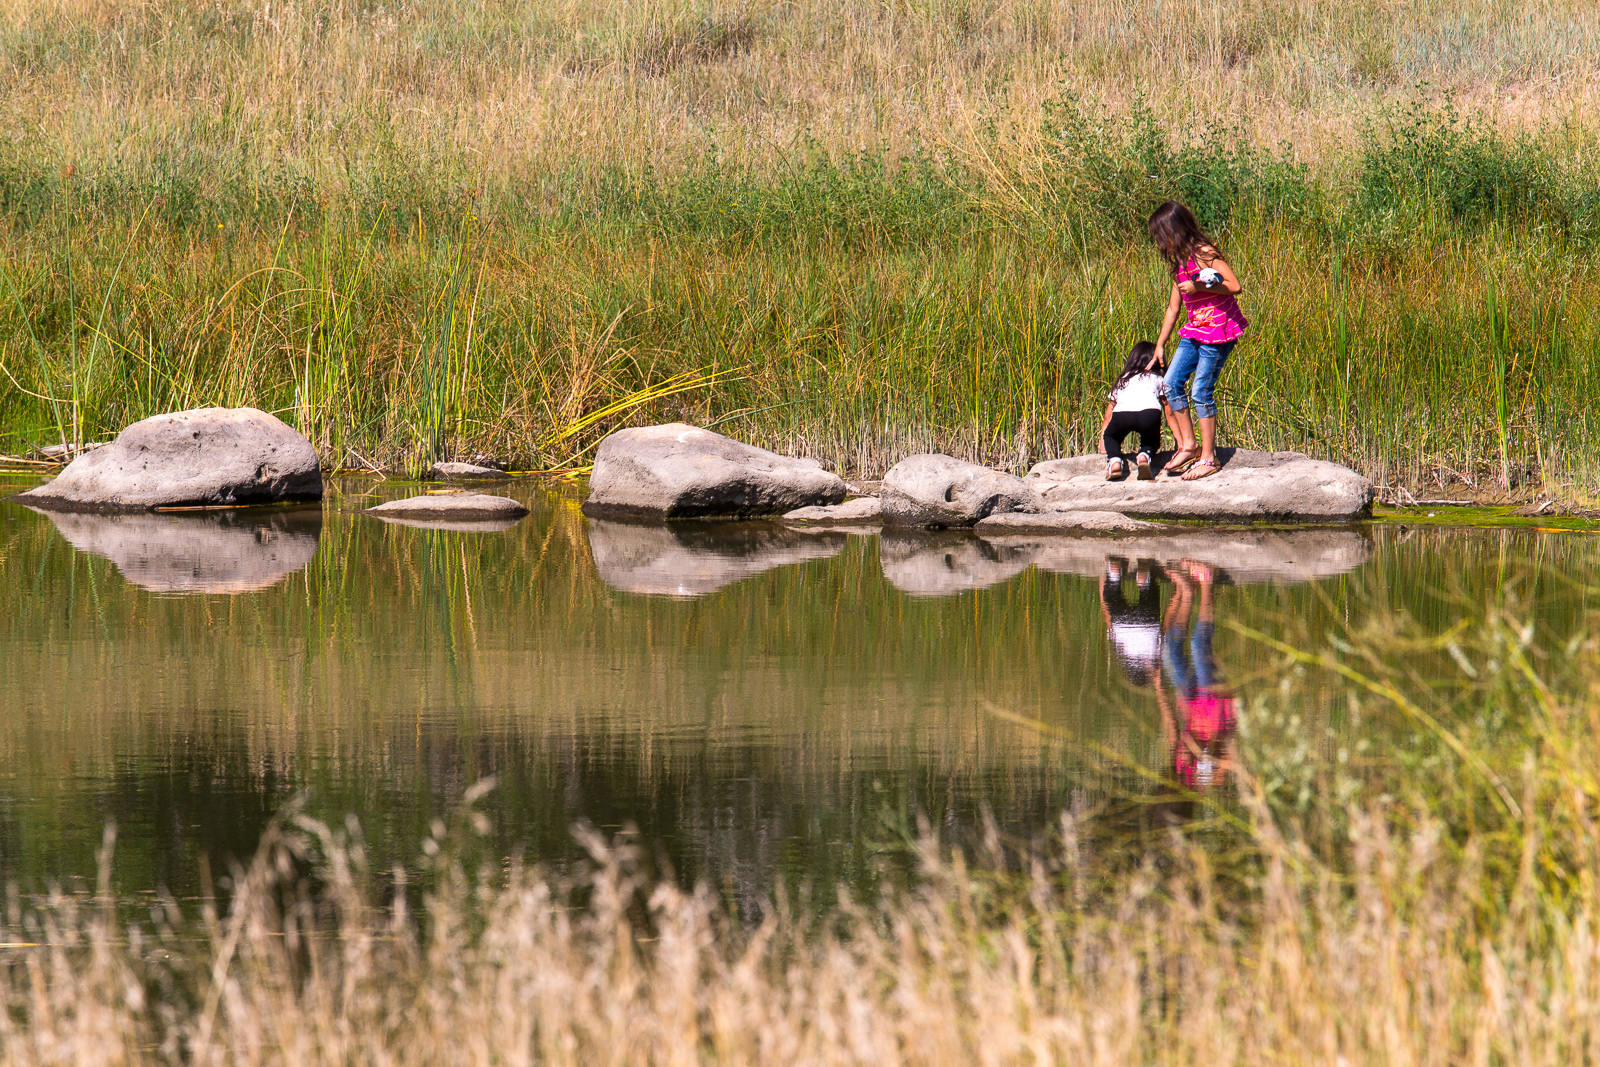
(1137, 363)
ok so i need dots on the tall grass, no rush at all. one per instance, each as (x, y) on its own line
(1453, 921)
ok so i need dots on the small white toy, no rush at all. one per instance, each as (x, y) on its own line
(1209, 277)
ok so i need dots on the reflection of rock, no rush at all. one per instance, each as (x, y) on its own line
(1242, 556)
(453, 507)
(941, 564)
(201, 457)
(207, 552)
(942, 491)
(681, 471)
(455, 525)
(684, 559)
(1068, 522)
(1251, 486)
(862, 511)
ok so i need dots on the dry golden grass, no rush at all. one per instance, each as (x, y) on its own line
(512, 93)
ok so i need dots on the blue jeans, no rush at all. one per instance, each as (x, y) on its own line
(1204, 362)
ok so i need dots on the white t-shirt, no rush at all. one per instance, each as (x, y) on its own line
(1137, 642)
(1139, 393)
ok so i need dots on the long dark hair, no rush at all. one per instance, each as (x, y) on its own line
(1177, 235)
(1137, 363)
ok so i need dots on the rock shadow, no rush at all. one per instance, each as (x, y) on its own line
(686, 559)
(944, 563)
(233, 551)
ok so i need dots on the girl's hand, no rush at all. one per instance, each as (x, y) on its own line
(1157, 360)
(1188, 287)
(1102, 446)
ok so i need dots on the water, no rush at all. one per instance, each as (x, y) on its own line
(763, 705)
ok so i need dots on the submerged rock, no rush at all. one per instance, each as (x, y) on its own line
(203, 457)
(453, 471)
(205, 552)
(693, 559)
(460, 507)
(1250, 486)
(681, 471)
(862, 511)
(942, 491)
(943, 563)
(1069, 522)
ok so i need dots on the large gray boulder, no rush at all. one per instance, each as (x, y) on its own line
(208, 552)
(942, 491)
(207, 456)
(1250, 487)
(689, 560)
(681, 471)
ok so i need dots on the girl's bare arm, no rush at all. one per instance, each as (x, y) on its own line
(1173, 306)
(1230, 284)
(1103, 424)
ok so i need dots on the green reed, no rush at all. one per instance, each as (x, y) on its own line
(1425, 325)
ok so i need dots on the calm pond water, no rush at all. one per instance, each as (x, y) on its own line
(763, 704)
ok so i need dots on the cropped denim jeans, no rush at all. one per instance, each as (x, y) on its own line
(1204, 362)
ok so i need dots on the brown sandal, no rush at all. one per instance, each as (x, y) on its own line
(1176, 466)
(1204, 468)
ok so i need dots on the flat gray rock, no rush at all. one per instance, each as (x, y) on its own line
(1242, 556)
(452, 471)
(205, 552)
(1067, 522)
(681, 471)
(693, 559)
(457, 506)
(1250, 487)
(946, 562)
(945, 492)
(862, 511)
(203, 457)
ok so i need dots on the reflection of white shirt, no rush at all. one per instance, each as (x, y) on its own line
(1139, 393)
(1137, 642)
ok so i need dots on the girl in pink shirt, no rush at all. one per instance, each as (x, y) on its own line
(1206, 288)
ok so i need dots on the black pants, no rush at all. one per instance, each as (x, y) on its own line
(1146, 423)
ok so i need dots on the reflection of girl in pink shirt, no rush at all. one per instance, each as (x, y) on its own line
(1200, 731)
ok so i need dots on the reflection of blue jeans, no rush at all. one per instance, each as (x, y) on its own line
(1204, 362)
(1197, 670)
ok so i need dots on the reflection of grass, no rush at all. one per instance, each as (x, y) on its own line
(1393, 912)
(1447, 515)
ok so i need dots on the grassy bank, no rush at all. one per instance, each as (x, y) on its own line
(1322, 915)
(850, 233)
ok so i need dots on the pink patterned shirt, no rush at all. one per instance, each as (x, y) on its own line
(1214, 318)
